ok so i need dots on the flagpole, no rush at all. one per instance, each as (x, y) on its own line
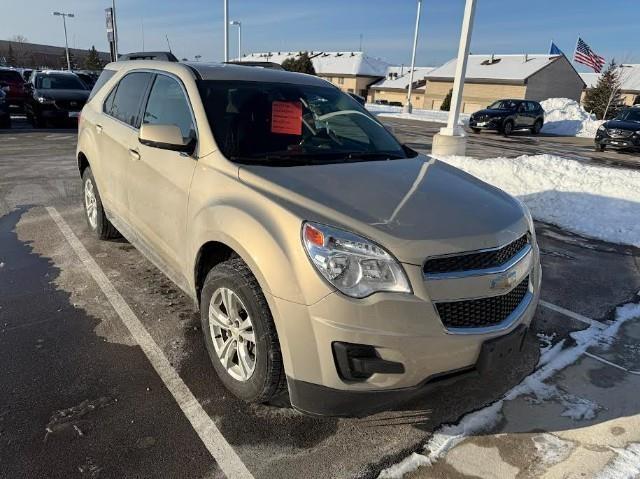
(575, 50)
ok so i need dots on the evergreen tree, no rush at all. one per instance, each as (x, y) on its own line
(446, 103)
(604, 99)
(301, 64)
(92, 60)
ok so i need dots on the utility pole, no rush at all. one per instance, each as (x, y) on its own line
(409, 107)
(451, 139)
(66, 42)
(239, 25)
(115, 29)
(226, 29)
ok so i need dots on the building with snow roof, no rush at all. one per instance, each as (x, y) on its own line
(492, 77)
(629, 83)
(352, 72)
(393, 88)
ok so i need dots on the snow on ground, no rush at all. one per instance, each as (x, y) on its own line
(435, 116)
(567, 118)
(594, 201)
(534, 385)
(626, 464)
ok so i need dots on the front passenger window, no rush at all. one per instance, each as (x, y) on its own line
(168, 105)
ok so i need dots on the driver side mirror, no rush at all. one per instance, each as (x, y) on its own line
(165, 137)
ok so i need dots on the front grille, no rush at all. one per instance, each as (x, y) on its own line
(617, 133)
(480, 260)
(70, 105)
(485, 312)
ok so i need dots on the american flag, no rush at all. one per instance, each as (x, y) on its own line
(586, 56)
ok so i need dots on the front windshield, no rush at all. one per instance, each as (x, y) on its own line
(271, 122)
(503, 105)
(59, 82)
(629, 115)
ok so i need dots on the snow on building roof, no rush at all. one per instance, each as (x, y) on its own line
(629, 77)
(331, 63)
(399, 77)
(513, 68)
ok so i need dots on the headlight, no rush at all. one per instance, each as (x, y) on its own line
(45, 100)
(354, 265)
(601, 128)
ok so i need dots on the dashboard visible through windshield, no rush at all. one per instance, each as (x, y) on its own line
(272, 123)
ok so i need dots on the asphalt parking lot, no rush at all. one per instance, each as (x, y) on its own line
(80, 397)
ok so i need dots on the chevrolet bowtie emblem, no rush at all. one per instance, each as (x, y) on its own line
(504, 281)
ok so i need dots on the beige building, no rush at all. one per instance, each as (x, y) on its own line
(393, 88)
(629, 83)
(492, 77)
(352, 72)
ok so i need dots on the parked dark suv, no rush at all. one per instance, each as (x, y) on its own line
(55, 97)
(508, 115)
(622, 132)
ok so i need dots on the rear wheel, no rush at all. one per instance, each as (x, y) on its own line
(537, 126)
(240, 334)
(507, 128)
(94, 211)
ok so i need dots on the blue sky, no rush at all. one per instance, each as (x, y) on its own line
(195, 26)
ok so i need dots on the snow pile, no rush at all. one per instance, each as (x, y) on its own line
(534, 385)
(435, 116)
(594, 201)
(567, 118)
(626, 464)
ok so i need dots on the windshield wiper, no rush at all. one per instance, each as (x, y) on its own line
(373, 155)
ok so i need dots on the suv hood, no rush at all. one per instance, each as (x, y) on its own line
(415, 208)
(492, 112)
(80, 95)
(623, 125)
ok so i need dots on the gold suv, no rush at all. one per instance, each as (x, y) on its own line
(325, 257)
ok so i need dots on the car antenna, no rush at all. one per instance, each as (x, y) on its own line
(168, 44)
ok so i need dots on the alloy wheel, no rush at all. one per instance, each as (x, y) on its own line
(90, 203)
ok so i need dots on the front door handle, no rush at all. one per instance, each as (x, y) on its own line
(134, 154)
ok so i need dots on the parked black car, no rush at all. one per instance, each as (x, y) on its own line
(505, 116)
(5, 117)
(55, 97)
(623, 132)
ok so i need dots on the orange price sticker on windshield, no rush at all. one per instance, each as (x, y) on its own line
(286, 117)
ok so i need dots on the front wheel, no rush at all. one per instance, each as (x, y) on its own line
(600, 147)
(240, 334)
(475, 130)
(94, 211)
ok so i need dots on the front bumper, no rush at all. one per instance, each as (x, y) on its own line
(403, 328)
(632, 142)
(491, 124)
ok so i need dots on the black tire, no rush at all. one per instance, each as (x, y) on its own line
(537, 126)
(37, 121)
(268, 378)
(103, 228)
(507, 128)
(601, 147)
(475, 130)
(5, 122)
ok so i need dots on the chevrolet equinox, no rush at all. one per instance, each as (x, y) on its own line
(325, 257)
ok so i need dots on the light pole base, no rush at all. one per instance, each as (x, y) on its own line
(449, 145)
(408, 108)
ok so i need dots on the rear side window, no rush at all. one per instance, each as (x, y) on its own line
(168, 105)
(125, 104)
(104, 77)
(10, 76)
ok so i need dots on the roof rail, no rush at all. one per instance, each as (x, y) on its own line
(163, 56)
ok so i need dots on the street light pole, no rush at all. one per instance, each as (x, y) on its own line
(66, 42)
(226, 29)
(115, 28)
(239, 25)
(451, 139)
(409, 107)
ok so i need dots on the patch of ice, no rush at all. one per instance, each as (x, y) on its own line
(626, 465)
(551, 449)
(566, 117)
(578, 408)
(410, 464)
(594, 201)
(533, 385)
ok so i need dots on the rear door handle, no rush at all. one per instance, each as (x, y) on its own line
(99, 128)
(134, 154)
